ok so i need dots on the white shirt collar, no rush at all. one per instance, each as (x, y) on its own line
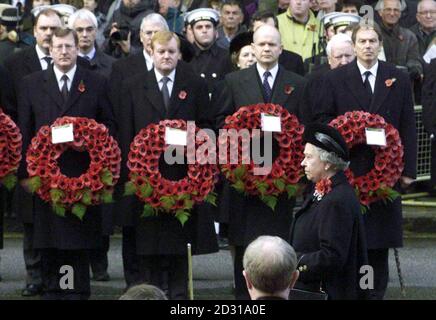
(273, 70)
(373, 69)
(70, 75)
(40, 53)
(159, 76)
(90, 54)
(148, 60)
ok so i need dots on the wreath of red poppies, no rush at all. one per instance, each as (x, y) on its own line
(10, 150)
(286, 169)
(388, 164)
(93, 187)
(158, 193)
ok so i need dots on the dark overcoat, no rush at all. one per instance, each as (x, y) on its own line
(343, 91)
(143, 105)
(429, 110)
(40, 103)
(328, 237)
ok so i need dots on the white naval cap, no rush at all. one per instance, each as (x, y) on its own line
(345, 19)
(326, 19)
(200, 14)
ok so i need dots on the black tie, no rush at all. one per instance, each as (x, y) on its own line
(64, 90)
(48, 60)
(165, 92)
(366, 83)
(266, 87)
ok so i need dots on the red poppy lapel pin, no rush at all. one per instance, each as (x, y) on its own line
(390, 82)
(289, 89)
(81, 87)
(182, 95)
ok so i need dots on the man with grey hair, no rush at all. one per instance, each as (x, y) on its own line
(270, 268)
(425, 29)
(400, 44)
(85, 24)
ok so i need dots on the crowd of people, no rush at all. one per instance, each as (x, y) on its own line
(136, 57)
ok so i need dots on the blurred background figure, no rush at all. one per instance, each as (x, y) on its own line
(144, 292)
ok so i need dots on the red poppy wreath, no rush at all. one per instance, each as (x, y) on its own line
(388, 164)
(162, 195)
(10, 150)
(285, 171)
(93, 187)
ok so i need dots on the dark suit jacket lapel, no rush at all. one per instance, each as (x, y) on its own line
(381, 91)
(74, 90)
(279, 95)
(355, 84)
(153, 94)
(32, 61)
(51, 87)
(251, 85)
(175, 101)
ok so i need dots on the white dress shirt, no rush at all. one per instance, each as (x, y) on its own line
(170, 83)
(273, 72)
(373, 75)
(41, 56)
(70, 75)
(148, 60)
(90, 54)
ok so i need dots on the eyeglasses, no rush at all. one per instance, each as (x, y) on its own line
(390, 10)
(68, 47)
(427, 13)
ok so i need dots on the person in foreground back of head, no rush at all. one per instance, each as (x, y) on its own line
(144, 292)
(270, 268)
(327, 232)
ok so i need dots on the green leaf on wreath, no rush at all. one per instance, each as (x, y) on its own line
(9, 181)
(146, 190)
(262, 187)
(239, 172)
(188, 204)
(56, 195)
(392, 194)
(79, 210)
(32, 184)
(363, 209)
(167, 202)
(182, 216)
(183, 196)
(59, 210)
(280, 184)
(129, 188)
(211, 198)
(107, 177)
(239, 186)
(148, 211)
(86, 198)
(291, 190)
(106, 197)
(270, 201)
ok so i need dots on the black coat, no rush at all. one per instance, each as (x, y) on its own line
(292, 61)
(343, 91)
(328, 237)
(429, 110)
(40, 103)
(102, 63)
(249, 217)
(314, 84)
(142, 105)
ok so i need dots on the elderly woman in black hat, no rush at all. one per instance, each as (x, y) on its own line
(241, 51)
(327, 232)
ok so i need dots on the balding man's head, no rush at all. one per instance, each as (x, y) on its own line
(426, 15)
(267, 45)
(340, 50)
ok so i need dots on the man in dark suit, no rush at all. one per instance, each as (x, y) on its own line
(19, 65)
(85, 24)
(363, 85)
(122, 70)
(44, 97)
(288, 59)
(148, 98)
(264, 82)
(429, 112)
(138, 62)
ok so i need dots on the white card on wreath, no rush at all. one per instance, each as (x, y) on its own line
(270, 123)
(375, 136)
(61, 134)
(176, 136)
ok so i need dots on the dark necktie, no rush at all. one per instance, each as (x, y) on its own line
(48, 60)
(165, 92)
(64, 89)
(366, 83)
(266, 87)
